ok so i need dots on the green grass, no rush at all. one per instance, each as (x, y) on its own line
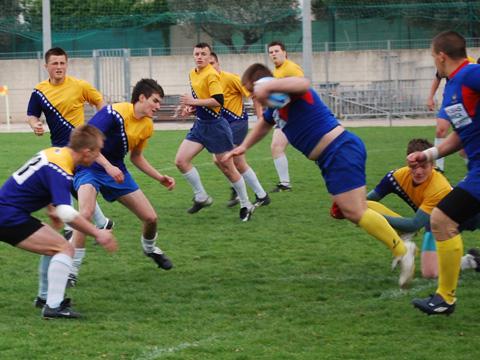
(291, 284)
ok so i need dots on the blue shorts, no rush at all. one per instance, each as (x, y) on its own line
(239, 131)
(343, 164)
(215, 135)
(104, 183)
(471, 182)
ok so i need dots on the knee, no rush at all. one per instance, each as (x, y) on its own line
(87, 211)
(181, 164)
(441, 132)
(61, 247)
(151, 219)
(277, 149)
(442, 226)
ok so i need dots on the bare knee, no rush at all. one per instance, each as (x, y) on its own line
(443, 227)
(150, 219)
(62, 247)
(182, 164)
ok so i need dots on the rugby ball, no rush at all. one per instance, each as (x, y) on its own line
(275, 100)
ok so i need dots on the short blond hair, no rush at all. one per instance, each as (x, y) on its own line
(85, 137)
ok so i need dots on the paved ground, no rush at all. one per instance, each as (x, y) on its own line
(183, 125)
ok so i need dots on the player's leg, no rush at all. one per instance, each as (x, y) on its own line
(251, 179)
(278, 147)
(100, 220)
(441, 132)
(87, 195)
(138, 204)
(186, 152)
(48, 242)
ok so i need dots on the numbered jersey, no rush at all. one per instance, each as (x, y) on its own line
(44, 179)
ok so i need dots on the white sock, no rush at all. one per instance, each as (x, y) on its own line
(98, 217)
(57, 279)
(281, 164)
(439, 163)
(241, 190)
(77, 260)
(149, 244)
(43, 276)
(193, 177)
(252, 181)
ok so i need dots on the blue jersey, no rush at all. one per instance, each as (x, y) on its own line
(44, 179)
(305, 120)
(123, 132)
(461, 107)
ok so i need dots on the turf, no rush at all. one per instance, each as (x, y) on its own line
(292, 283)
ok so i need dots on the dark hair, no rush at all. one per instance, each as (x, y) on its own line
(254, 72)
(451, 43)
(55, 51)
(478, 60)
(214, 55)
(418, 145)
(203, 45)
(85, 137)
(147, 87)
(275, 43)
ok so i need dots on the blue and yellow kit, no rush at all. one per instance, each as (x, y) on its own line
(44, 179)
(123, 132)
(425, 196)
(62, 106)
(205, 83)
(233, 94)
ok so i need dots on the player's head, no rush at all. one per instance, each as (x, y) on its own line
(446, 47)
(420, 173)
(86, 141)
(214, 61)
(201, 54)
(147, 95)
(56, 61)
(277, 52)
(253, 73)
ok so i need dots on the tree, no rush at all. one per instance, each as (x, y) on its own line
(10, 21)
(227, 20)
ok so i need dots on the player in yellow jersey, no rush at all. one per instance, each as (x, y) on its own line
(46, 180)
(234, 112)
(283, 68)
(210, 130)
(61, 99)
(127, 128)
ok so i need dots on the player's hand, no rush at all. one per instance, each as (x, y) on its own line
(239, 150)
(107, 240)
(431, 104)
(261, 92)
(116, 174)
(168, 182)
(186, 99)
(37, 128)
(416, 158)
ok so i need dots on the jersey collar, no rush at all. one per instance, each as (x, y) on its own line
(462, 65)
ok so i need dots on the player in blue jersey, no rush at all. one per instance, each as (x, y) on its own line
(312, 129)
(61, 99)
(127, 128)
(46, 180)
(211, 131)
(461, 106)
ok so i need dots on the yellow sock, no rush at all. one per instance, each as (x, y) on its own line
(381, 209)
(449, 258)
(377, 226)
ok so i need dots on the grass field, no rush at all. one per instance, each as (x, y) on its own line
(290, 284)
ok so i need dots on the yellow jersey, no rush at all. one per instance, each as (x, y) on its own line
(205, 83)
(288, 68)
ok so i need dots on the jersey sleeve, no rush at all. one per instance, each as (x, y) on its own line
(60, 185)
(238, 85)
(472, 80)
(34, 105)
(90, 94)
(214, 86)
(385, 186)
(103, 119)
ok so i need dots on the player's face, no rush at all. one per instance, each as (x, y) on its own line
(420, 173)
(277, 55)
(150, 105)
(214, 63)
(57, 68)
(201, 56)
(439, 61)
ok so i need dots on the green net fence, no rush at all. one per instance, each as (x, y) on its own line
(231, 25)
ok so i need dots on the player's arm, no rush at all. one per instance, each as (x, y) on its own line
(137, 158)
(34, 111)
(290, 85)
(431, 94)
(374, 196)
(450, 145)
(72, 217)
(411, 224)
(110, 169)
(215, 101)
(36, 124)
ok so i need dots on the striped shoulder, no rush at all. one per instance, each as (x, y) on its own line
(60, 159)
